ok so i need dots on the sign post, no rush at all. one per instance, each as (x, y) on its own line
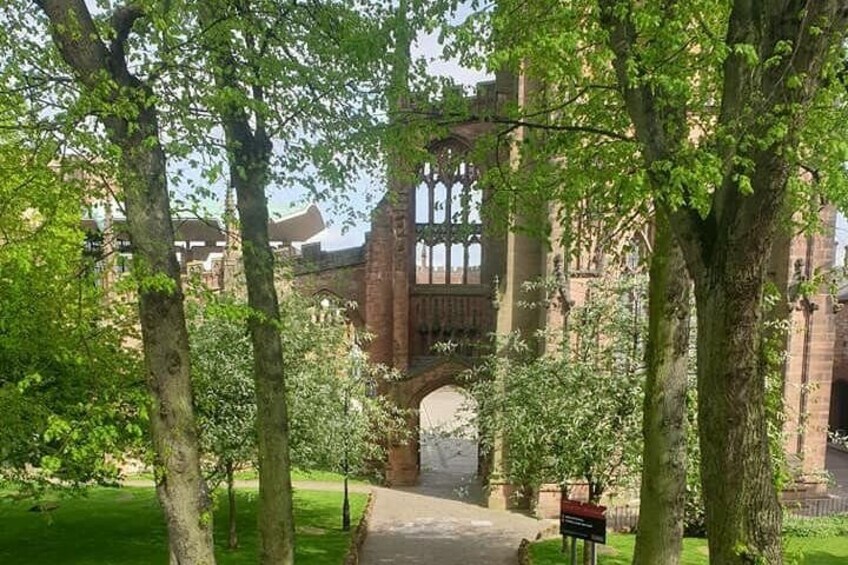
(580, 520)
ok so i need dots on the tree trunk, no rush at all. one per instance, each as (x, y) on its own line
(232, 539)
(743, 515)
(663, 488)
(249, 154)
(132, 125)
(180, 485)
(276, 520)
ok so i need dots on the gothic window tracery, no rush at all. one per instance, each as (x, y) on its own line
(447, 219)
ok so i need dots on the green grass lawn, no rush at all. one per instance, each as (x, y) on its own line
(619, 551)
(301, 475)
(296, 475)
(125, 526)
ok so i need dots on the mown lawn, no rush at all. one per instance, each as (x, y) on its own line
(619, 551)
(296, 475)
(125, 526)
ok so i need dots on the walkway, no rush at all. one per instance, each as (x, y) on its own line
(441, 521)
(837, 465)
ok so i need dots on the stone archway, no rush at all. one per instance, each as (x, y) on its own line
(403, 467)
(449, 445)
(839, 406)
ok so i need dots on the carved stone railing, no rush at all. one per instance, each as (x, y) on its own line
(462, 315)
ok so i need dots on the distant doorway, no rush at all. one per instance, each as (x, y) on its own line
(449, 451)
(839, 407)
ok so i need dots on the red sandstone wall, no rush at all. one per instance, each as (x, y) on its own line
(810, 357)
(378, 283)
(347, 283)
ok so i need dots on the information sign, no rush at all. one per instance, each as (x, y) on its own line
(583, 521)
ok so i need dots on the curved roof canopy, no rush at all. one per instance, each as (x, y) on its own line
(296, 226)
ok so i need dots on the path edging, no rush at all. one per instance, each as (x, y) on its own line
(524, 557)
(357, 540)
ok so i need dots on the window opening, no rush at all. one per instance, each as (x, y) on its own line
(447, 213)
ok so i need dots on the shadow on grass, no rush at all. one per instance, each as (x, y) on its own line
(125, 526)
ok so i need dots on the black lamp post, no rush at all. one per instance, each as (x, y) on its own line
(354, 377)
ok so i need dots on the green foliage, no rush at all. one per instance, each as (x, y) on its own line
(336, 419)
(580, 142)
(126, 526)
(694, 517)
(70, 392)
(333, 414)
(774, 356)
(822, 527)
(572, 415)
(223, 387)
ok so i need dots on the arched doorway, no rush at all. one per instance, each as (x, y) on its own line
(839, 406)
(448, 443)
(437, 380)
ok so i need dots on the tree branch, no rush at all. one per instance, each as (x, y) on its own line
(77, 38)
(122, 21)
(450, 118)
(661, 134)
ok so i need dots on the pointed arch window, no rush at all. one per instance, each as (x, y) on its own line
(447, 215)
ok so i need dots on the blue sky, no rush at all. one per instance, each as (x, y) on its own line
(340, 234)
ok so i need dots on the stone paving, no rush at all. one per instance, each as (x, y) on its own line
(411, 528)
(441, 521)
(837, 465)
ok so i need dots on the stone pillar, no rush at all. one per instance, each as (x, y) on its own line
(231, 263)
(402, 466)
(378, 308)
(523, 262)
(810, 344)
(402, 260)
(808, 368)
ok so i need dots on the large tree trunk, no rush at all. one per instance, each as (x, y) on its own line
(743, 515)
(276, 519)
(132, 125)
(249, 155)
(663, 490)
(180, 485)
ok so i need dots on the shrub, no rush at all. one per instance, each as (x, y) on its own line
(820, 527)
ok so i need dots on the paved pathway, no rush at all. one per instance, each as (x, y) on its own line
(837, 464)
(441, 521)
(411, 528)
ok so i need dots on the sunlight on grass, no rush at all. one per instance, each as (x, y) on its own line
(125, 526)
(619, 551)
(253, 474)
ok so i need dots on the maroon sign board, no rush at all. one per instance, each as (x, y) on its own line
(583, 521)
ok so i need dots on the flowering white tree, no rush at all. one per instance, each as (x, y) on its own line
(573, 415)
(335, 421)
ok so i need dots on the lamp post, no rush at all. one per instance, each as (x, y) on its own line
(354, 377)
